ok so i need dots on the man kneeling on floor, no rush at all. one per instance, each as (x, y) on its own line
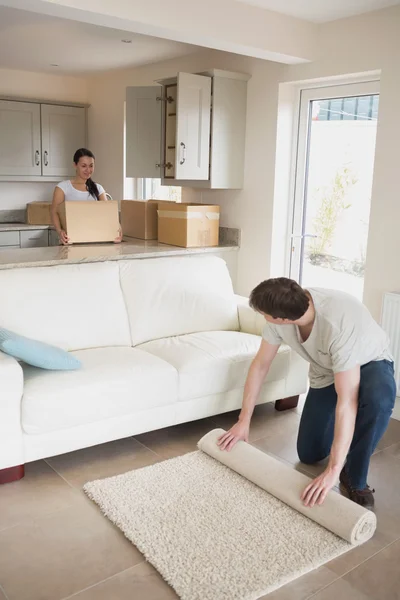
(352, 387)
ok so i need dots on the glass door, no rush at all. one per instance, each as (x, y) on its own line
(334, 170)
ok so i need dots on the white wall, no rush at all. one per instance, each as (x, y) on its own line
(353, 46)
(36, 86)
(221, 25)
(249, 209)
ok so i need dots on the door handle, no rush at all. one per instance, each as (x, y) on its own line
(46, 158)
(183, 153)
(37, 158)
(304, 235)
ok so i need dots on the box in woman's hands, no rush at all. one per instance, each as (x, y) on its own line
(89, 221)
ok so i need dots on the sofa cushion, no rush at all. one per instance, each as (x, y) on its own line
(113, 382)
(37, 353)
(214, 362)
(177, 295)
(69, 306)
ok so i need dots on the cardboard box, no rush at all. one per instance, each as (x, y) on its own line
(38, 213)
(139, 219)
(89, 221)
(188, 225)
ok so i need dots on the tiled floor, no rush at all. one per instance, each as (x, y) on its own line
(54, 543)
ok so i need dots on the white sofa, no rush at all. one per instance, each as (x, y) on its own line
(162, 341)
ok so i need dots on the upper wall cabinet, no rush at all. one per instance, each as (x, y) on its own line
(163, 140)
(63, 132)
(188, 131)
(39, 140)
(20, 146)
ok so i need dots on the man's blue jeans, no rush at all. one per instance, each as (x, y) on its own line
(375, 405)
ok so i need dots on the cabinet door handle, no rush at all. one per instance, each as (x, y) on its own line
(46, 158)
(183, 153)
(37, 158)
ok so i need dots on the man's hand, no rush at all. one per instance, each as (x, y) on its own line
(317, 490)
(240, 431)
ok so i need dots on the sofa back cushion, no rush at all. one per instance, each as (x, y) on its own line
(177, 295)
(73, 307)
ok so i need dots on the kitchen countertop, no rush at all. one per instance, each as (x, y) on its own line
(21, 227)
(86, 253)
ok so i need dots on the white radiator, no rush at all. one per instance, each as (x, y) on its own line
(391, 324)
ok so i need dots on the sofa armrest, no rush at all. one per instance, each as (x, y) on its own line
(250, 321)
(12, 386)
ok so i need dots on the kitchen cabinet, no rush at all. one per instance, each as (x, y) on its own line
(9, 238)
(63, 132)
(20, 146)
(38, 140)
(34, 238)
(189, 131)
(53, 238)
(24, 238)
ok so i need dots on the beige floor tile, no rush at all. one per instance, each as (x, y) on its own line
(262, 423)
(142, 582)
(378, 577)
(311, 470)
(304, 587)
(39, 493)
(384, 476)
(177, 440)
(391, 435)
(56, 556)
(102, 461)
(393, 450)
(345, 563)
(341, 589)
(281, 437)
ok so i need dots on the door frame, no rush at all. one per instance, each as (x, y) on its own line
(296, 233)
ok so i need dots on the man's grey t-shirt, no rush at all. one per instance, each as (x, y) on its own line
(343, 336)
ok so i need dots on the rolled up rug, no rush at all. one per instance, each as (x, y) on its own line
(338, 514)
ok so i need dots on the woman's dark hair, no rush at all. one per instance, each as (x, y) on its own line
(281, 298)
(90, 184)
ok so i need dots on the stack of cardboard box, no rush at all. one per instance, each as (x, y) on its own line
(183, 224)
(188, 225)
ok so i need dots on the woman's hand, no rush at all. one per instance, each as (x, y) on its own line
(118, 239)
(240, 431)
(64, 239)
(317, 490)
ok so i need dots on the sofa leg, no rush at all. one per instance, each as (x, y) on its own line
(286, 403)
(12, 474)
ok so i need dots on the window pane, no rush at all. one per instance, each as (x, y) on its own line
(349, 109)
(363, 109)
(336, 110)
(152, 189)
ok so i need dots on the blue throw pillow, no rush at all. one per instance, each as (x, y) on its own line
(37, 353)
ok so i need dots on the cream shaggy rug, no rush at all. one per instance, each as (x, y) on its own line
(212, 533)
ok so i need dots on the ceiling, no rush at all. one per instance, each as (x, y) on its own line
(321, 11)
(34, 42)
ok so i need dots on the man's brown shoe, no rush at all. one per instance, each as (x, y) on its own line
(363, 497)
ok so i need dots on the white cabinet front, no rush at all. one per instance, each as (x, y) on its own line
(63, 132)
(168, 129)
(143, 131)
(20, 149)
(193, 126)
(34, 238)
(9, 238)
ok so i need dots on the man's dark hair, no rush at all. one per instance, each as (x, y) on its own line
(281, 298)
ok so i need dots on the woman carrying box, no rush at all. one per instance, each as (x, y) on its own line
(82, 187)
